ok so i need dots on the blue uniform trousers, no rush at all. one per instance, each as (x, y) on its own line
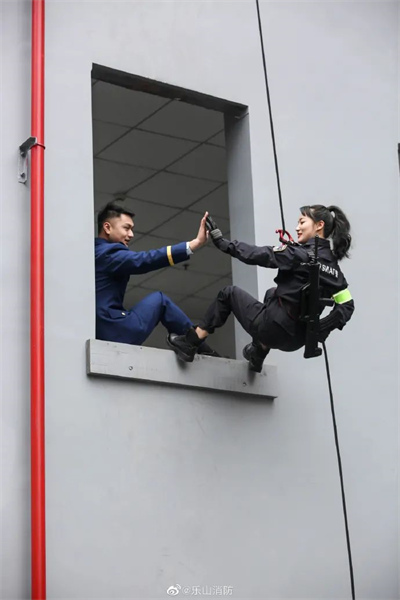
(153, 309)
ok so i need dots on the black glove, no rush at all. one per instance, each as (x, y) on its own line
(216, 234)
(322, 335)
(327, 324)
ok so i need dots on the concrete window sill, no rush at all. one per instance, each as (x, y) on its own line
(109, 359)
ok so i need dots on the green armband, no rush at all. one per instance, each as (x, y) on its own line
(343, 296)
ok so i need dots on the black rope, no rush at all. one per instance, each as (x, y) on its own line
(270, 118)
(340, 471)
(323, 344)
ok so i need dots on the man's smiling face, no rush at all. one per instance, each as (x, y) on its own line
(119, 229)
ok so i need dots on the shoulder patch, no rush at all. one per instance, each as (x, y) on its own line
(279, 248)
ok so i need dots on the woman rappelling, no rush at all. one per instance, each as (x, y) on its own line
(276, 322)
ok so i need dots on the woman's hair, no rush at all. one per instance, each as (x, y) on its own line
(336, 226)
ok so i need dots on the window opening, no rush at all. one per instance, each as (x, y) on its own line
(160, 151)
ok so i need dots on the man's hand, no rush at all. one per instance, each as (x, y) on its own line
(202, 235)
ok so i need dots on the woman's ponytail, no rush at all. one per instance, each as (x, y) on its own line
(340, 235)
(337, 226)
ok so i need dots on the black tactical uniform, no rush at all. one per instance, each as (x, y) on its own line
(275, 322)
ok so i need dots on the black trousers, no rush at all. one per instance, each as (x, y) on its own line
(267, 322)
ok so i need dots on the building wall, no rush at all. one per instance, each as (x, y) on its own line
(14, 303)
(148, 487)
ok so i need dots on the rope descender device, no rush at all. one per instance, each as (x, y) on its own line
(283, 239)
(310, 305)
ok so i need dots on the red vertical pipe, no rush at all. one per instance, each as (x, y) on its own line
(38, 525)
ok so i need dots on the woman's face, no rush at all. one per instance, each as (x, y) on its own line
(307, 229)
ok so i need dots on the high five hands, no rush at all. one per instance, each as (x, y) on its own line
(208, 228)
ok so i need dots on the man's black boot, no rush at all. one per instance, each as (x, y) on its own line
(206, 350)
(255, 354)
(185, 346)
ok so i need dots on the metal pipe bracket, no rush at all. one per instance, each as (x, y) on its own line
(23, 158)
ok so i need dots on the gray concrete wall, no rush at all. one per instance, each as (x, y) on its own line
(147, 486)
(14, 303)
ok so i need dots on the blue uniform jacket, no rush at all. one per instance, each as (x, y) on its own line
(115, 263)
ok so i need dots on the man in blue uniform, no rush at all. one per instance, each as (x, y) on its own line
(115, 263)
